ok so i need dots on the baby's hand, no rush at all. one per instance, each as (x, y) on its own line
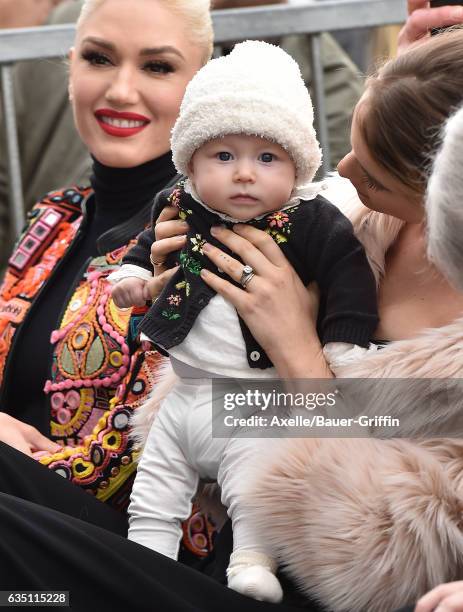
(130, 292)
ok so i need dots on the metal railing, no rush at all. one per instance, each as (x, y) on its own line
(311, 18)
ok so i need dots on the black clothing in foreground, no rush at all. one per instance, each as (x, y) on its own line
(318, 241)
(74, 543)
(26, 479)
(119, 196)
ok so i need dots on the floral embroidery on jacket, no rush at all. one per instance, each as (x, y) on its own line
(184, 285)
(174, 302)
(279, 225)
(191, 264)
(198, 242)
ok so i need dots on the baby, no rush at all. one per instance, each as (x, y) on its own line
(245, 141)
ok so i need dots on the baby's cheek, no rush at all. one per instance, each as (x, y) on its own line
(205, 191)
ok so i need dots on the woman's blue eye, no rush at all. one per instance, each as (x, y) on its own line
(224, 156)
(267, 157)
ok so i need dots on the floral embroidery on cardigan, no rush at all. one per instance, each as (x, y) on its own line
(191, 264)
(174, 302)
(279, 225)
(184, 285)
(198, 242)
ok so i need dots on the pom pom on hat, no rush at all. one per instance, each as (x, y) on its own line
(257, 89)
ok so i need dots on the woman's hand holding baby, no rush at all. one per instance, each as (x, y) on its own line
(291, 342)
(170, 232)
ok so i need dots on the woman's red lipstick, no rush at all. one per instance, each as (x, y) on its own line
(120, 124)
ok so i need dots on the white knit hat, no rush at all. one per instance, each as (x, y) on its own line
(257, 89)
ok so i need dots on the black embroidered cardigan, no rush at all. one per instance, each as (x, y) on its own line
(316, 238)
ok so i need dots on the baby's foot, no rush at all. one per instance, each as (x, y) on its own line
(252, 574)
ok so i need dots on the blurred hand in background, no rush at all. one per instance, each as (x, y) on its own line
(25, 13)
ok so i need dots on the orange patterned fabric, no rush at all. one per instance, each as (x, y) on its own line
(51, 227)
(92, 365)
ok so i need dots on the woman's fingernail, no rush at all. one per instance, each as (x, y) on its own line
(206, 247)
(457, 13)
(215, 230)
(204, 273)
(184, 225)
(181, 238)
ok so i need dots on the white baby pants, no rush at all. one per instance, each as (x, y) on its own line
(179, 451)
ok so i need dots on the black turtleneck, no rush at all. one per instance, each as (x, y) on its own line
(121, 196)
(122, 192)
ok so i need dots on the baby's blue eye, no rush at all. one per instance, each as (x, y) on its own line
(224, 156)
(267, 157)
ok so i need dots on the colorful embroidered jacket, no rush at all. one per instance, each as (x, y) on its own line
(90, 402)
(318, 241)
(98, 376)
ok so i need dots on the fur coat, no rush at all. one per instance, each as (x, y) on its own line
(369, 524)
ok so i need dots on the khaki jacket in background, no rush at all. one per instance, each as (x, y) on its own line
(343, 87)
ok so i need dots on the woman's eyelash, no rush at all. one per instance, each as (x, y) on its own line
(159, 67)
(371, 184)
(96, 58)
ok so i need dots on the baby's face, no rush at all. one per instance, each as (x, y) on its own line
(242, 176)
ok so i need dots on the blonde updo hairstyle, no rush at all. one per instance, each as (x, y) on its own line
(195, 13)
